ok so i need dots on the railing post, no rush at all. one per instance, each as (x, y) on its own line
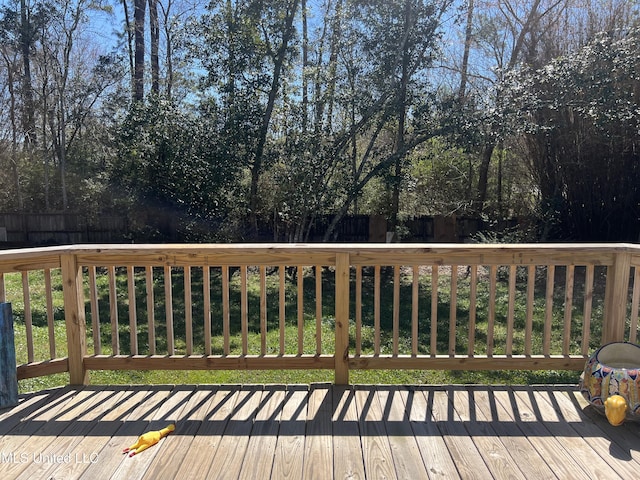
(8, 372)
(342, 319)
(615, 306)
(74, 317)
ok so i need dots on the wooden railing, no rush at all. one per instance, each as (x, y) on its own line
(340, 307)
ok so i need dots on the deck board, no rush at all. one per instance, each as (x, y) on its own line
(179, 444)
(318, 447)
(315, 431)
(88, 407)
(131, 420)
(519, 447)
(376, 449)
(405, 452)
(227, 461)
(348, 462)
(25, 443)
(463, 450)
(264, 435)
(494, 453)
(289, 454)
(595, 437)
(573, 445)
(203, 447)
(431, 443)
(547, 446)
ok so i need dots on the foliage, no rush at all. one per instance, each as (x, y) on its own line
(273, 113)
(298, 185)
(173, 160)
(579, 117)
(440, 180)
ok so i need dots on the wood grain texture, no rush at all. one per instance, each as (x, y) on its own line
(318, 446)
(348, 461)
(404, 332)
(288, 459)
(8, 372)
(315, 431)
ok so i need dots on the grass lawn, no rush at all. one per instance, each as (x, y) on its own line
(13, 287)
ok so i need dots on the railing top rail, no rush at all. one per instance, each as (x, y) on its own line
(23, 259)
(318, 254)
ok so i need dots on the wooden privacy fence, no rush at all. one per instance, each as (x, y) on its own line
(340, 307)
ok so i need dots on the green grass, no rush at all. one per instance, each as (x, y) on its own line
(13, 286)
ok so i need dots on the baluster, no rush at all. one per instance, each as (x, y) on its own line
(511, 308)
(113, 311)
(50, 319)
(168, 302)
(473, 297)
(263, 310)
(300, 290)
(414, 308)
(568, 305)
(318, 309)
(95, 313)
(206, 293)
(434, 311)
(151, 324)
(133, 322)
(188, 311)
(452, 310)
(548, 317)
(493, 270)
(28, 320)
(528, 329)
(282, 306)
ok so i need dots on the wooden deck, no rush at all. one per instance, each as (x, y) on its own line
(318, 431)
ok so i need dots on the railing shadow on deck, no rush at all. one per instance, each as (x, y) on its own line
(318, 409)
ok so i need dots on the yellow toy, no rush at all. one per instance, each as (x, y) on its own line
(615, 408)
(148, 439)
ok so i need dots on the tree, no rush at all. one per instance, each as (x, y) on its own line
(71, 84)
(515, 31)
(581, 120)
(392, 46)
(154, 31)
(67, 78)
(26, 44)
(246, 50)
(139, 13)
(174, 161)
(11, 61)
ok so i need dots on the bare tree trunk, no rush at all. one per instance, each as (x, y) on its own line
(467, 47)
(305, 65)
(169, 65)
(166, 17)
(321, 98)
(14, 131)
(354, 152)
(231, 86)
(333, 62)
(26, 40)
(154, 32)
(130, 40)
(138, 70)
(483, 176)
(57, 121)
(44, 92)
(317, 89)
